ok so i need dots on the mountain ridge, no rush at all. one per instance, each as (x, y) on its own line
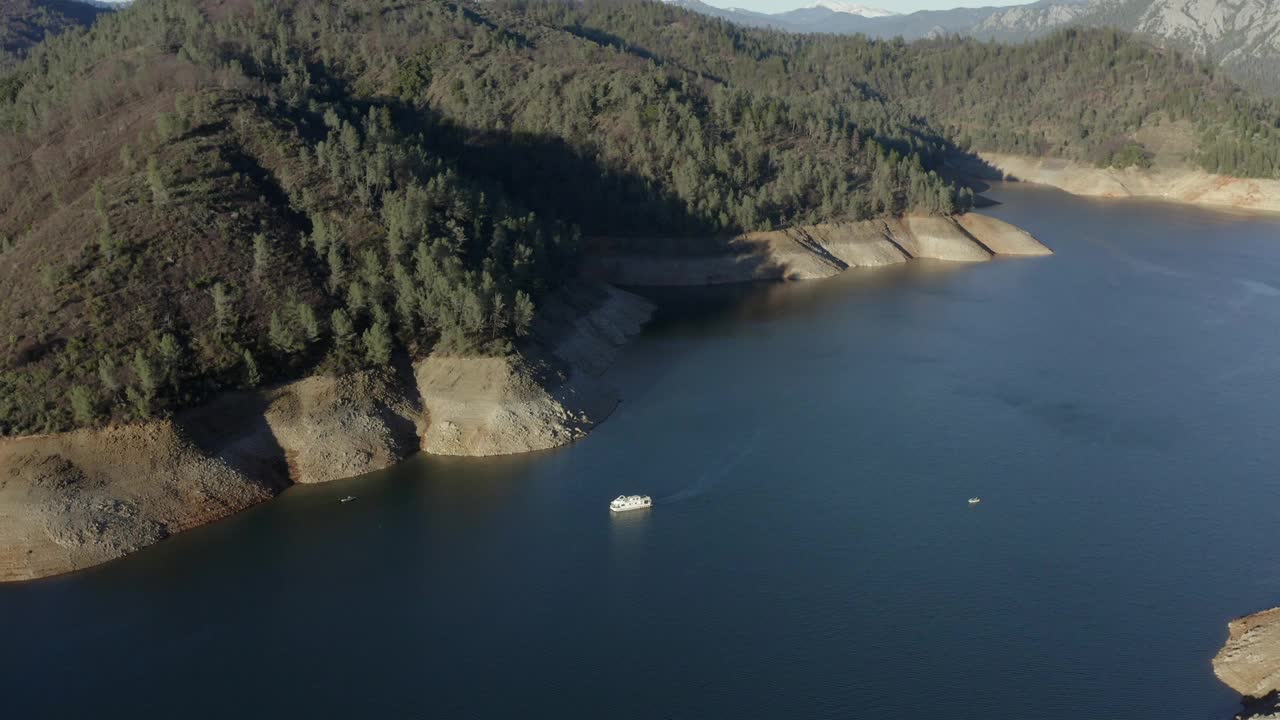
(1241, 36)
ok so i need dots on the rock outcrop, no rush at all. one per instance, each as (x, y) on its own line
(331, 428)
(499, 406)
(938, 238)
(74, 500)
(1184, 185)
(808, 251)
(540, 399)
(1249, 662)
(1000, 237)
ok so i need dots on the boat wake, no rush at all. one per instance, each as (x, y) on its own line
(718, 472)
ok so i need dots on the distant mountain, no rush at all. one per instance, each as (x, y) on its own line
(853, 8)
(825, 17)
(1024, 22)
(737, 16)
(24, 23)
(1243, 36)
(846, 16)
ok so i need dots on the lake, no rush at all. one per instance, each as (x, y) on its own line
(810, 448)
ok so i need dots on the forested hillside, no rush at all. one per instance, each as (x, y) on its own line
(1091, 95)
(1240, 37)
(212, 194)
(24, 23)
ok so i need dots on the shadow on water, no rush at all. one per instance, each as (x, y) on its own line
(719, 307)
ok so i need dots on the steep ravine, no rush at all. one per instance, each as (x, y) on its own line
(78, 499)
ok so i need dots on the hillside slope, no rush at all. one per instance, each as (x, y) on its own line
(1097, 96)
(1243, 36)
(229, 193)
(211, 195)
(26, 23)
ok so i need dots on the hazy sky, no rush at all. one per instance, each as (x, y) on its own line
(898, 6)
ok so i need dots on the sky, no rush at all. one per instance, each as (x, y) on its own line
(898, 6)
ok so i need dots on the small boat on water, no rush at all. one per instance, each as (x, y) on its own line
(974, 500)
(348, 499)
(623, 503)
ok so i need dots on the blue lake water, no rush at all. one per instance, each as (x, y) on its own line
(811, 555)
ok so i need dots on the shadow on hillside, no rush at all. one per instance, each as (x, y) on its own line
(233, 428)
(969, 170)
(608, 39)
(617, 211)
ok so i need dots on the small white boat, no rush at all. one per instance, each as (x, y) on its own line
(623, 503)
(974, 500)
(348, 499)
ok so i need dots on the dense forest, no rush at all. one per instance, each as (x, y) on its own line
(26, 23)
(1091, 95)
(210, 194)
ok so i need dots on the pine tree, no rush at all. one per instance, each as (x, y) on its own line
(107, 377)
(262, 255)
(308, 321)
(170, 354)
(155, 181)
(142, 396)
(83, 408)
(378, 344)
(337, 267)
(522, 313)
(282, 334)
(143, 370)
(344, 331)
(222, 309)
(106, 243)
(252, 377)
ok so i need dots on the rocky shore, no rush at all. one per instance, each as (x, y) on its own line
(809, 251)
(77, 499)
(1249, 663)
(1178, 185)
(74, 500)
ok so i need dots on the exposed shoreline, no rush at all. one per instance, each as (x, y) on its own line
(73, 500)
(812, 252)
(1249, 663)
(1188, 186)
